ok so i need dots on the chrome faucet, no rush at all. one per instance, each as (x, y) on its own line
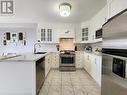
(35, 46)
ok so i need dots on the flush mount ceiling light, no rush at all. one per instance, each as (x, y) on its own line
(65, 9)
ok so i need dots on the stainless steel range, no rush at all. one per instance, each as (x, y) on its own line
(67, 60)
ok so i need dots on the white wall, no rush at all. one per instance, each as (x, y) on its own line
(28, 28)
(97, 20)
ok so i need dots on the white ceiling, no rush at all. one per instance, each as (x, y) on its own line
(48, 10)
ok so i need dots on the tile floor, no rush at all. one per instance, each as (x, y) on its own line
(69, 83)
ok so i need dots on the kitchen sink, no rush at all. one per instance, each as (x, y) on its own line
(40, 52)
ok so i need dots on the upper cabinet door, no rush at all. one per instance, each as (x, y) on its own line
(49, 34)
(45, 35)
(85, 34)
(116, 6)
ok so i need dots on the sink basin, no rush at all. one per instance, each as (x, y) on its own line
(40, 52)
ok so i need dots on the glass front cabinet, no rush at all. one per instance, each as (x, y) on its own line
(45, 35)
(84, 34)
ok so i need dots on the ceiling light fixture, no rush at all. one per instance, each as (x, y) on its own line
(65, 9)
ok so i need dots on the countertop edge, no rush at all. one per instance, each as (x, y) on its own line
(25, 60)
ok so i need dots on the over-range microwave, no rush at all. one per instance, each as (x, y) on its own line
(99, 33)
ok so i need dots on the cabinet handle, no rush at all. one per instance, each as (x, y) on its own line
(88, 57)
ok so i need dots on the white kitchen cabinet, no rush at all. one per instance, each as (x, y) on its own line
(55, 60)
(56, 36)
(96, 68)
(48, 60)
(99, 65)
(45, 35)
(91, 35)
(116, 6)
(85, 34)
(92, 65)
(96, 23)
(79, 59)
(87, 62)
(49, 35)
(93, 25)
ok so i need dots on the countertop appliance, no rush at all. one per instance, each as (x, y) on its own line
(114, 64)
(99, 33)
(88, 49)
(67, 60)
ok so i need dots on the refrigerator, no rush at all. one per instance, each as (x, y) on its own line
(114, 56)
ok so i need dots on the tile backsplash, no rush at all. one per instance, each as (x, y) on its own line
(66, 44)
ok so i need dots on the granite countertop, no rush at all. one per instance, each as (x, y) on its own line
(25, 57)
(95, 53)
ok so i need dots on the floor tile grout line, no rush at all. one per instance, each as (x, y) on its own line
(61, 84)
(71, 83)
(49, 85)
(70, 78)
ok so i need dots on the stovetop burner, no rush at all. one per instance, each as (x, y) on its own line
(67, 52)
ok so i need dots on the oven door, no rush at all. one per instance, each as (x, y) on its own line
(67, 60)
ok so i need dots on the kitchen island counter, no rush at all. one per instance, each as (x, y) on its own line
(25, 57)
(22, 75)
